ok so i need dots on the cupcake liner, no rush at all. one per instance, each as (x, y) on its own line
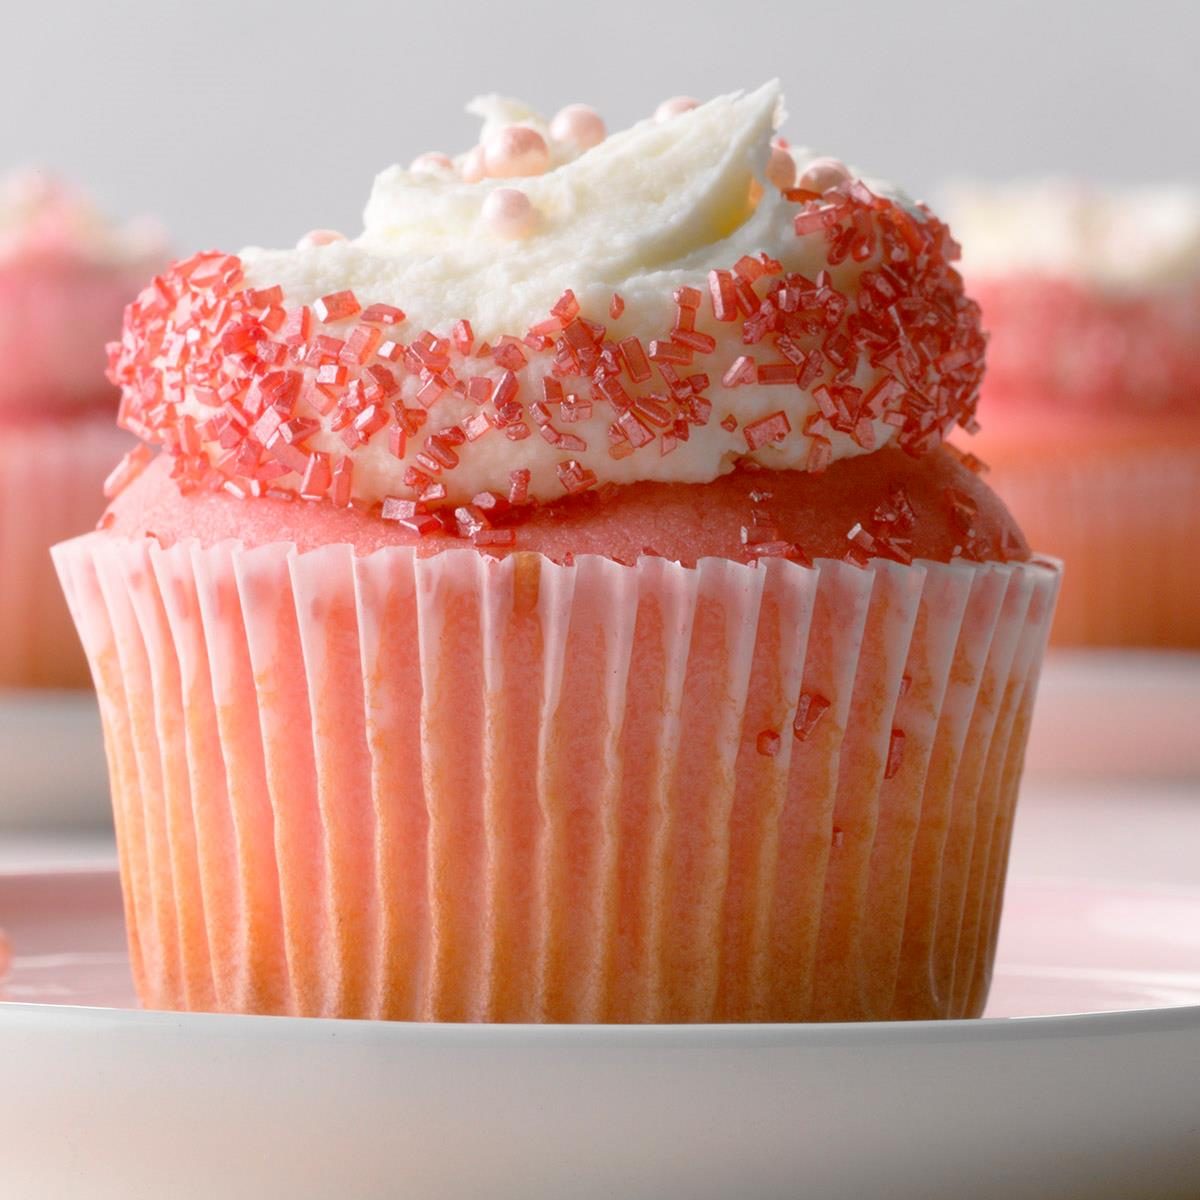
(1124, 524)
(51, 475)
(466, 788)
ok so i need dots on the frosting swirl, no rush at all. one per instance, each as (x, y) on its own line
(669, 312)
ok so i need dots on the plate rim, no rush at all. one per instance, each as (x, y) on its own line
(749, 1035)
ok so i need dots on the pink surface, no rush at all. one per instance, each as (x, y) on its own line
(463, 789)
(682, 522)
(51, 475)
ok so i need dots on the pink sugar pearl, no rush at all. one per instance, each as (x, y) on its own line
(509, 213)
(673, 107)
(781, 168)
(822, 174)
(514, 151)
(578, 125)
(473, 168)
(319, 237)
(431, 163)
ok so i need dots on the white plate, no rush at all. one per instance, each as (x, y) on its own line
(52, 767)
(103, 1103)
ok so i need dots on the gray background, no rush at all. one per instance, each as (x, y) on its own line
(241, 123)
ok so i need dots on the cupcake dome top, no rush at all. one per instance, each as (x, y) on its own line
(557, 311)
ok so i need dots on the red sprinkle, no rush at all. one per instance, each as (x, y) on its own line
(337, 306)
(518, 491)
(566, 308)
(495, 537)
(635, 359)
(768, 743)
(820, 455)
(809, 711)
(382, 314)
(776, 373)
(724, 299)
(765, 430)
(895, 755)
(742, 370)
(463, 337)
(127, 470)
(256, 366)
(343, 482)
(574, 477)
(317, 477)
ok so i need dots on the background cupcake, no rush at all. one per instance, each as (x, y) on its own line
(65, 276)
(1091, 298)
(557, 602)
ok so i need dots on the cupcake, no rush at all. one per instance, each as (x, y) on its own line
(558, 603)
(65, 277)
(1092, 399)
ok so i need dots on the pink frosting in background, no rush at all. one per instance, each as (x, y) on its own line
(66, 274)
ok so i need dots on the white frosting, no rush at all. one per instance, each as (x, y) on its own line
(1110, 237)
(645, 211)
(40, 214)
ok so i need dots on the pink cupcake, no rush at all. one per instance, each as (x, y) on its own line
(65, 277)
(556, 604)
(1091, 298)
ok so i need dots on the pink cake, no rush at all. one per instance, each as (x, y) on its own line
(558, 603)
(65, 277)
(1091, 298)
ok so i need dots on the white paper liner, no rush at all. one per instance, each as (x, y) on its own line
(1125, 529)
(463, 788)
(51, 475)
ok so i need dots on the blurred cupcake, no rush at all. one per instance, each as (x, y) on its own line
(65, 277)
(1092, 302)
(556, 604)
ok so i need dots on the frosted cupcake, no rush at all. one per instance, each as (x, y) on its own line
(1092, 427)
(556, 604)
(65, 277)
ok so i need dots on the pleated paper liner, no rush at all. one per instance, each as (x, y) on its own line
(51, 475)
(1124, 524)
(463, 788)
